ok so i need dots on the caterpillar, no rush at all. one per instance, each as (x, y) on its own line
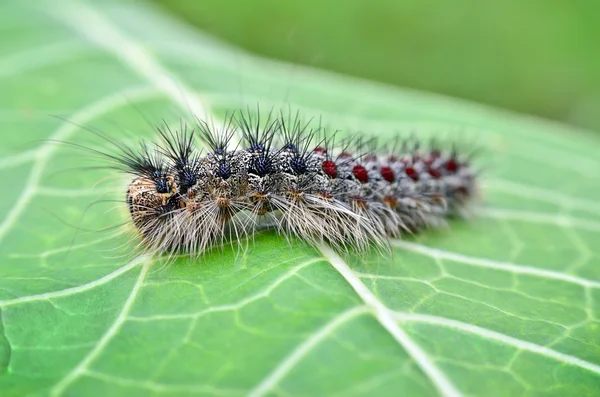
(203, 185)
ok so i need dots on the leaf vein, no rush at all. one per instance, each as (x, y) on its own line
(75, 290)
(91, 23)
(385, 318)
(542, 194)
(234, 306)
(542, 218)
(498, 337)
(62, 385)
(303, 349)
(490, 264)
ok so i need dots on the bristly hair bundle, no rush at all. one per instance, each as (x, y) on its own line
(352, 194)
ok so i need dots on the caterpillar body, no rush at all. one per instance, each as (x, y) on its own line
(351, 194)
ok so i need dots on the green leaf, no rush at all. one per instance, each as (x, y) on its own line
(505, 304)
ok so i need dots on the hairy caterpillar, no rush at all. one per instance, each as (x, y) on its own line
(350, 193)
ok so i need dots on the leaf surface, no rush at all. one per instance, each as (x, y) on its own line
(505, 304)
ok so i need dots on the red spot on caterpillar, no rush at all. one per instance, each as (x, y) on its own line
(434, 172)
(412, 173)
(360, 173)
(345, 155)
(330, 168)
(320, 150)
(387, 174)
(451, 165)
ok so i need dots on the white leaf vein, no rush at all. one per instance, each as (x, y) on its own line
(541, 218)
(161, 387)
(565, 201)
(498, 337)
(490, 264)
(113, 331)
(233, 306)
(79, 289)
(37, 58)
(98, 29)
(18, 159)
(385, 318)
(289, 362)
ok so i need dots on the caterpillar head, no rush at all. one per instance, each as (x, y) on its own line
(164, 184)
(150, 198)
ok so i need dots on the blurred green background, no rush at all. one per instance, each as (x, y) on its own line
(534, 56)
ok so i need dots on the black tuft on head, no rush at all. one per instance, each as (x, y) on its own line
(187, 179)
(162, 185)
(298, 165)
(261, 165)
(224, 170)
(298, 139)
(259, 138)
(162, 182)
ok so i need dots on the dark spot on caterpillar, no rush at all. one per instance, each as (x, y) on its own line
(187, 179)
(451, 165)
(360, 173)
(224, 170)
(412, 173)
(130, 202)
(387, 174)
(330, 168)
(163, 185)
(320, 150)
(261, 166)
(434, 172)
(298, 165)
